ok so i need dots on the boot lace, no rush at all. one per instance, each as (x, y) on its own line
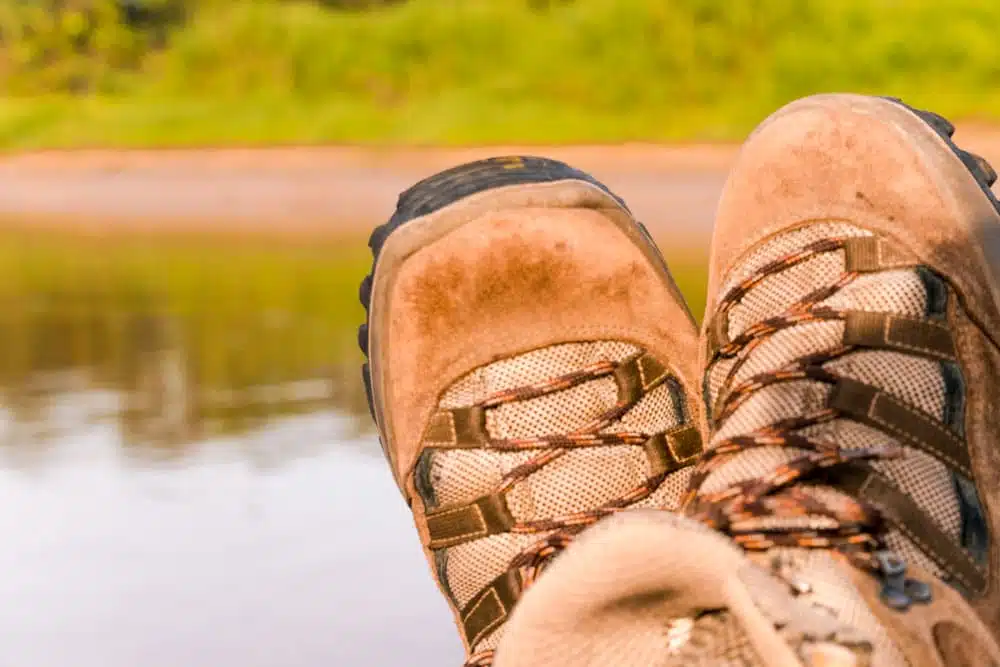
(775, 509)
(557, 533)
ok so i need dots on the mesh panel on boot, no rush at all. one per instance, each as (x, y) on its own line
(563, 412)
(491, 642)
(784, 245)
(657, 411)
(745, 468)
(790, 399)
(914, 381)
(579, 480)
(461, 476)
(929, 482)
(669, 494)
(788, 345)
(900, 292)
(918, 475)
(470, 567)
(531, 367)
(716, 377)
(776, 293)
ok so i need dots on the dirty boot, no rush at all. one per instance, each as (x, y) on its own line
(532, 368)
(845, 511)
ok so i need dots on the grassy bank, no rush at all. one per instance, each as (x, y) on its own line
(499, 71)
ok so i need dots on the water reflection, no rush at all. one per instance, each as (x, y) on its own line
(174, 342)
(187, 471)
(299, 554)
(160, 412)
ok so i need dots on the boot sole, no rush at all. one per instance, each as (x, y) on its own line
(432, 195)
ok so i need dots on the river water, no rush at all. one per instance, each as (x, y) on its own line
(289, 545)
(188, 474)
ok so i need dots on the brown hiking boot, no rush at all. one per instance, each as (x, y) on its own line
(532, 369)
(851, 478)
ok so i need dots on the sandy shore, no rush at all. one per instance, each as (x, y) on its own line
(337, 190)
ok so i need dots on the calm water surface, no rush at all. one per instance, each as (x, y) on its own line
(187, 473)
(287, 546)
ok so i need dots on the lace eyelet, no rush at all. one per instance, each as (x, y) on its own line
(899, 592)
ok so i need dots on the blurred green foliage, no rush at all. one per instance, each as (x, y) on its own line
(69, 46)
(461, 71)
(83, 46)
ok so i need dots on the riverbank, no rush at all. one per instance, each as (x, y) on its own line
(315, 192)
(148, 207)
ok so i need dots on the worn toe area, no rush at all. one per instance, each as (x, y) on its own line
(509, 282)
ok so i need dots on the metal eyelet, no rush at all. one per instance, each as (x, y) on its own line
(899, 592)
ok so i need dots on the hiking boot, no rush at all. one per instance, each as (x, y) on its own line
(532, 369)
(845, 511)
(850, 352)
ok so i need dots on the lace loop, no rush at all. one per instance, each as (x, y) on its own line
(781, 507)
(556, 533)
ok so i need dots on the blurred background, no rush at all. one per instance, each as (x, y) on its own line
(188, 473)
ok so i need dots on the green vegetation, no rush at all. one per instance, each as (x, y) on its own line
(475, 71)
